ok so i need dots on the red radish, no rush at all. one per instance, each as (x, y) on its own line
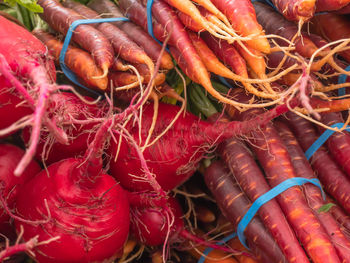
(77, 118)
(175, 156)
(23, 60)
(10, 185)
(78, 202)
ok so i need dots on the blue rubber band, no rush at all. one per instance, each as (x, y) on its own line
(70, 74)
(150, 23)
(267, 197)
(222, 241)
(322, 139)
(342, 79)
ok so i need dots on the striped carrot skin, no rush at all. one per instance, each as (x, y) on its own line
(296, 10)
(107, 8)
(78, 60)
(242, 16)
(60, 18)
(252, 181)
(313, 194)
(189, 22)
(226, 53)
(268, 148)
(122, 44)
(339, 143)
(274, 23)
(339, 214)
(333, 179)
(234, 204)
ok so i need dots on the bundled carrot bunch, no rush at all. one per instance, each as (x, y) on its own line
(108, 180)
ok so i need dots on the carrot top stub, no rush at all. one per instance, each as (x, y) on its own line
(242, 16)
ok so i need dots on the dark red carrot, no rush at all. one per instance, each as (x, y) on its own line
(122, 44)
(339, 214)
(268, 148)
(243, 19)
(330, 105)
(334, 27)
(234, 204)
(107, 8)
(174, 157)
(227, 53)
(79, 61)
(339, 143)
(189, 22)
(60, 18)
(330, 5)
(344, 10)
(313, 194)
(250, 178)
(296, 10)
(334, 181)
(275, 23)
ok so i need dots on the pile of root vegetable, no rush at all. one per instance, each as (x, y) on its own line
(174, 131)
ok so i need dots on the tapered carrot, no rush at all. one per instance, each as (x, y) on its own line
(189, 22)
(146, 74)
(330, 5)
(122, 44)
(236, 244)
(233, 203)
(312, 193)
(79, 61)
(268, 147)
(296, 10)
(275, 23)
(251, 179)
(339, 143)
(330, 106)
(188, 8)
(339, 214)
(214, 256)
(60, 18)
(107, 8)
(230, 56)
(242, 16)
(334, 181)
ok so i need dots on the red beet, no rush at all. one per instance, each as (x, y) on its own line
(68, 110)
(10, 185)
(175, 156)
(86, 208)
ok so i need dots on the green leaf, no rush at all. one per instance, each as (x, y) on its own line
(325, 208)
(31, 5)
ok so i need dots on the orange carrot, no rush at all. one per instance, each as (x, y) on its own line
(214, 256)
(79, 61)
(236, 244)
(60, 18)
(242, 16)
(189, 22)
(122, 44)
